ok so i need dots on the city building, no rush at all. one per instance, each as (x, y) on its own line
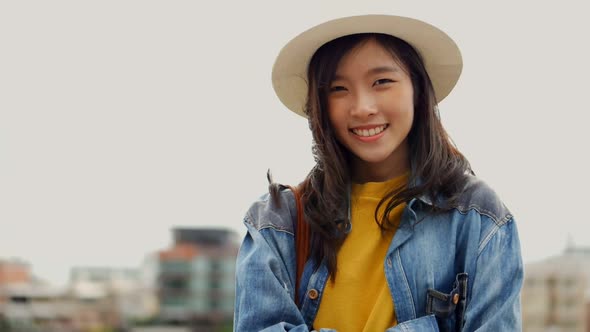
(111, 296)
(95, 299)
(37, 306)
(556, 293)
(14, 271)
(196, 277)
(29, 304)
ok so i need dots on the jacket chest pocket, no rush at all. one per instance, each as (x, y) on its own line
(449, 308)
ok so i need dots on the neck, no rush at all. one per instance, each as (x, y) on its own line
(379, 174)
(395, 165)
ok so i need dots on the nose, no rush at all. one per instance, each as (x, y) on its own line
(364, 105)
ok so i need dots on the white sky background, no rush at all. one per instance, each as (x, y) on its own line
(122, 119)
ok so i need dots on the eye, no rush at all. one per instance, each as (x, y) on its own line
(337, 88)
(383, 81)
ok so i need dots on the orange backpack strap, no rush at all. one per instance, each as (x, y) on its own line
(301, 241)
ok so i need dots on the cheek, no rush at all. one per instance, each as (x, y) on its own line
(402, 107)
(407, 117)
(337, 117)
(407, 111)
(339, 129)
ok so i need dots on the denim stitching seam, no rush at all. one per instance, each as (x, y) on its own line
(486, 240)
(408, 291)
(498, 221)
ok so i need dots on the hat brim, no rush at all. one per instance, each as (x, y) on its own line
(440, 53)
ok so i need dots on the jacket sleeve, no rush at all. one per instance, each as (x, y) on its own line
(494, 302)
(264, 288)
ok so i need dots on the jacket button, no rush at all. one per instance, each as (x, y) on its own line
(455, 298)
(313, 294)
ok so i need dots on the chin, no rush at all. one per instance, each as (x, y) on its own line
(374, 159)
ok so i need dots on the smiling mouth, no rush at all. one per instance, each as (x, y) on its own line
(369, 132)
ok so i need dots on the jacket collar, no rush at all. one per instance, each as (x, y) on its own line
(416, 181)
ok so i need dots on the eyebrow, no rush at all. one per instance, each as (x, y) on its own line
(373, 71)
(383, 69)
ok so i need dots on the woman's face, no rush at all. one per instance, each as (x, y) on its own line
(371, 108)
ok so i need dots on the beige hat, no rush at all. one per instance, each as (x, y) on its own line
(441, 55)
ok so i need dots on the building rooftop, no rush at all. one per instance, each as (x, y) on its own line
(204, 236)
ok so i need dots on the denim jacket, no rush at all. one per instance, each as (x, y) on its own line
(425, 257)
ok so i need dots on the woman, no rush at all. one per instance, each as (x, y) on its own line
(403, 236)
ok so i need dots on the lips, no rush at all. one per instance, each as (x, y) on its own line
(368, 131)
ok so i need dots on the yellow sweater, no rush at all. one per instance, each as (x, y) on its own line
(360, 299)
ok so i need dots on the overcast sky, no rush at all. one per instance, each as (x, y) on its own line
(122, 119)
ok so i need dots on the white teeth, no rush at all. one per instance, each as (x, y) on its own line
(369, 132)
